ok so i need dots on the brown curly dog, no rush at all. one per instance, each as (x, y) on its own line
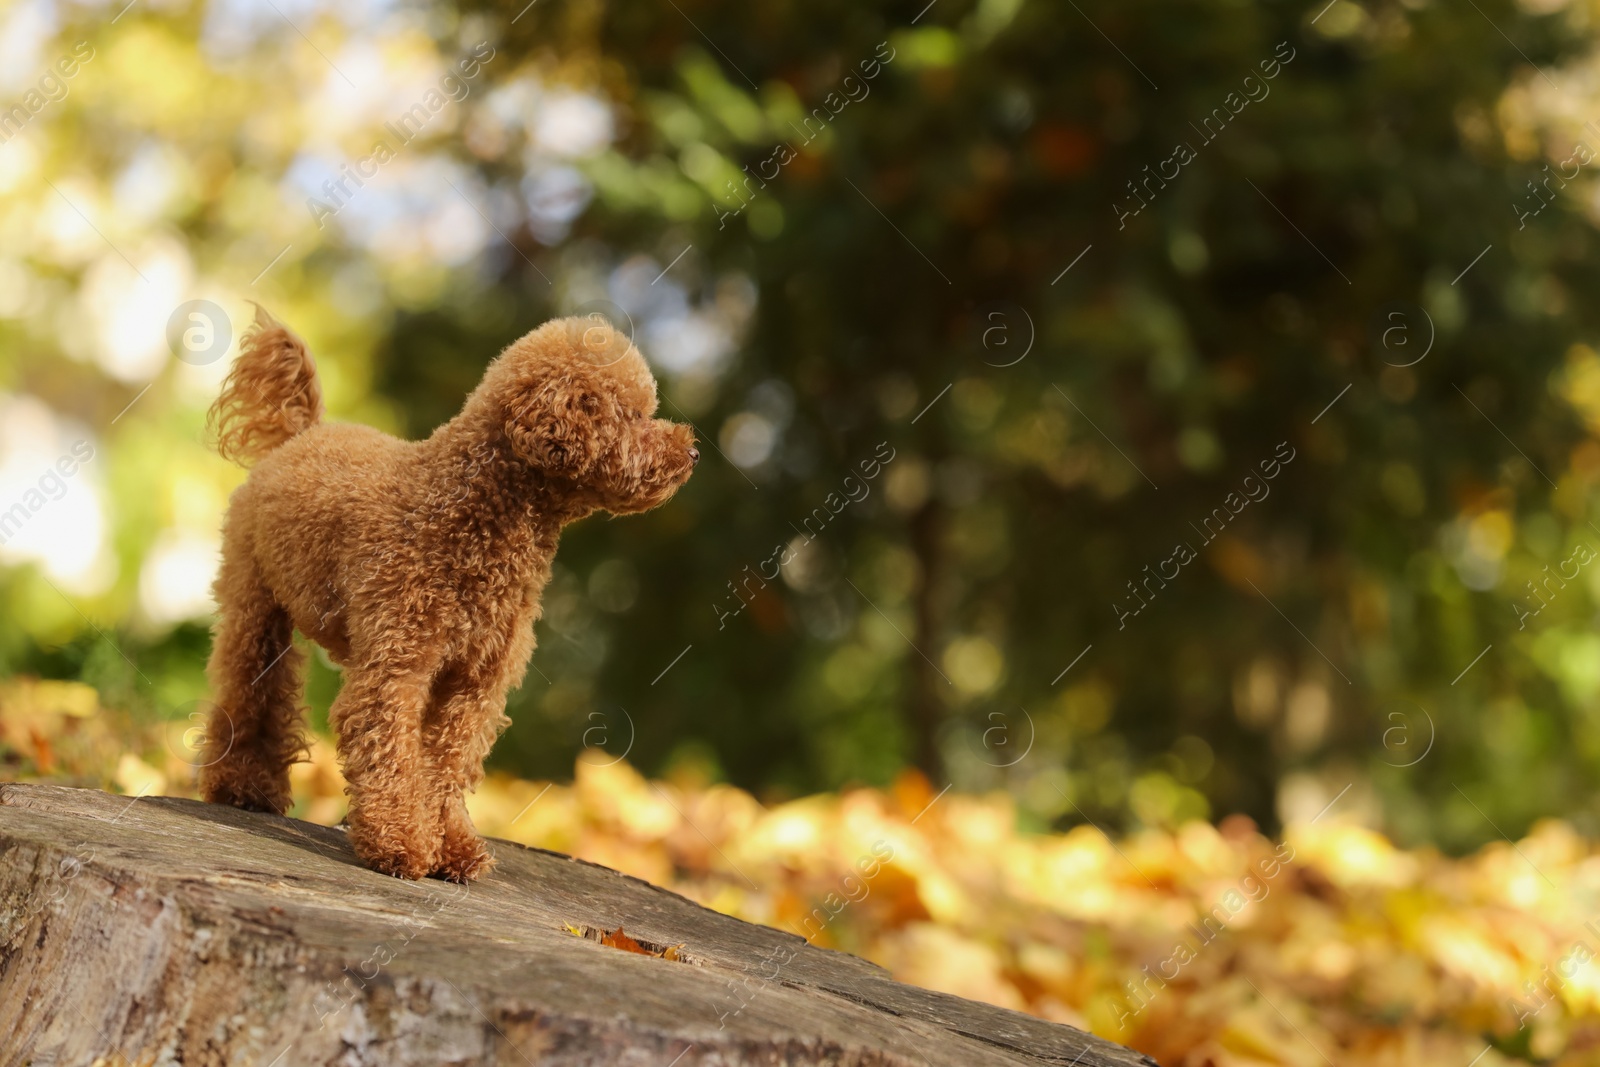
(418, 565)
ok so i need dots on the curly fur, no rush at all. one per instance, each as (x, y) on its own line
(418, 566)
(271, 394)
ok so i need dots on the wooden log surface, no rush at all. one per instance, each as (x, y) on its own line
(166, 931)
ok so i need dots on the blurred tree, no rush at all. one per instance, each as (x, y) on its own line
(1088, 275)
(1146, 256)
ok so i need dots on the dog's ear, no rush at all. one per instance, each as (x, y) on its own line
(557, 428)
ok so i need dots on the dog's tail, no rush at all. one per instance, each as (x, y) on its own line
(270, 395)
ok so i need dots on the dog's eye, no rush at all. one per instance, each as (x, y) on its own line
(635, 415)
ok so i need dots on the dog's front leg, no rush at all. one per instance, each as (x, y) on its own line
(460, 728)
(378, 717)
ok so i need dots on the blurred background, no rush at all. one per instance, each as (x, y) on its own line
(1170, 413)
(1079, 273)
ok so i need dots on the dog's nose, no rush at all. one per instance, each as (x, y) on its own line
(694, 455)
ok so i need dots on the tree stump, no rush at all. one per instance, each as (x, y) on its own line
(166, 931)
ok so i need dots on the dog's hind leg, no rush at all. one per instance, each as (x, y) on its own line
(254, 731)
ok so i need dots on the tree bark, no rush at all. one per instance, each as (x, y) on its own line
(166, 931)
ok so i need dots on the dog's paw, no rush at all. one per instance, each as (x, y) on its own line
(392, 848)
(464, 860)
(398, 865)
(250, 788)
(397, 862)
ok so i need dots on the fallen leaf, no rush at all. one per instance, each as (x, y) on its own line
(43, 753)
(1395, 956)
(618, 939)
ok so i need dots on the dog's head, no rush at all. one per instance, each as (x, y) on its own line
(579, 404)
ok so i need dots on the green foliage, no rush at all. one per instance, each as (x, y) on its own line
(898, 246)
